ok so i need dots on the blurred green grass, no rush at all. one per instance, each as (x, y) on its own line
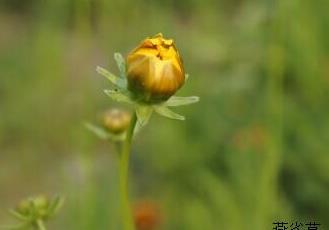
(253, 151)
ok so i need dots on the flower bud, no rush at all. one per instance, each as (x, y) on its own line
(34, 211)
(116, 121)
(41, 204)
(38, 204)
(146, 216)
(155, 70)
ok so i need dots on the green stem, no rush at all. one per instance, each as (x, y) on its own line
(40, 225)
(126, 213)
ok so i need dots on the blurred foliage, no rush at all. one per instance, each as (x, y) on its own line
(253, 151)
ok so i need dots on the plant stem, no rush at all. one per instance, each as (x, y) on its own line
(126, 214)
(40, 225)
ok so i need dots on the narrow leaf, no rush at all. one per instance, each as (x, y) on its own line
(118, 95)
(103, 134)
(120, 82)
(143, 113)
(121, 64)
(186, 77)
(100, 132)
(18, 216)
(178, 101)
(55, 205)
(164, 111)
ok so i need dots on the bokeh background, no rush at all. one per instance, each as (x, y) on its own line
(253, 151)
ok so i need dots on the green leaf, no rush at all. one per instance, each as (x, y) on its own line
(186, 77)
(118, 95)
(143, 113)
(99, 131)
(104, 134)
(178, 101)
(120, 82)
(121, 64)
(56, 203)
(18, 216)
(164, 111)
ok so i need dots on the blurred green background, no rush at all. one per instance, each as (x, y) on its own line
(254, 150)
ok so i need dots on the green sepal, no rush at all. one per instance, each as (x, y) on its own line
(118, 95)
(103, 134)
(178, 101)
(164, 111)
(143, 113)
(99, 131)
(119, 82)
(121, 64)
(55, 204)
(18, 215)
(186, 77)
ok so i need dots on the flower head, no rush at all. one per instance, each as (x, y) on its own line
(146, 215)
(34, 211)
(148, 80)
(37, 205)
(155, 70)
(116, 121)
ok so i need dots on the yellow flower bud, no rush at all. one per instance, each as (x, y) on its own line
(116, 121)
(155, 70)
